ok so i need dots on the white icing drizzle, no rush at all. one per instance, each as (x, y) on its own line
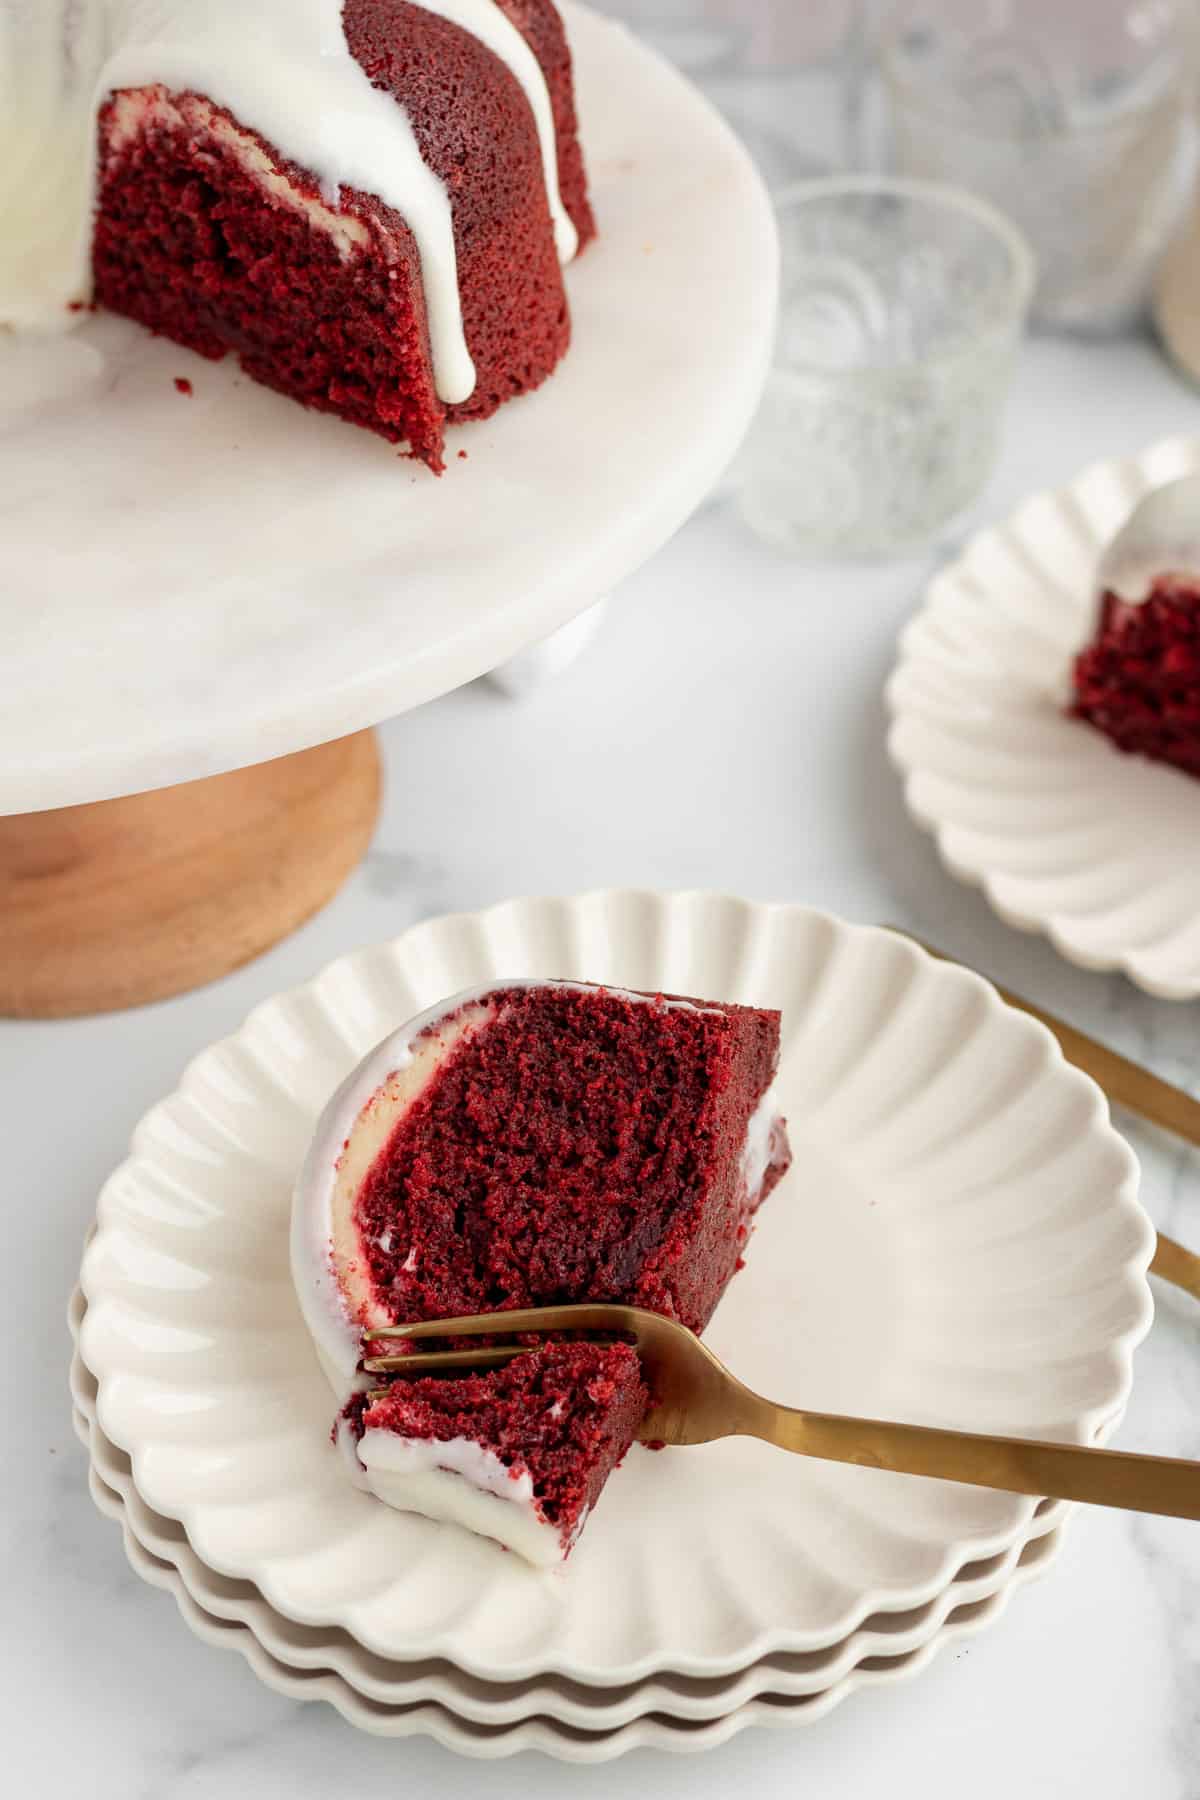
(485, 21)
(284, 70)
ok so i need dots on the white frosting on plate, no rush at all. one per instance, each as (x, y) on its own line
(284, 70)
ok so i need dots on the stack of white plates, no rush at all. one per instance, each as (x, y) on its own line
(959, 1242)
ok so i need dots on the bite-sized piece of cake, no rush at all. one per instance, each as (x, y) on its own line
(519, 1454)
(367, 201)
(535, 1143)
(1138, 681)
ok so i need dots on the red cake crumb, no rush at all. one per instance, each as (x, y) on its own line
(192, 245)
(183, 385)
(582, 1146)
(1138, 681)
(565, 1414)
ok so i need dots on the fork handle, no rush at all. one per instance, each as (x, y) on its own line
(1150, 1484)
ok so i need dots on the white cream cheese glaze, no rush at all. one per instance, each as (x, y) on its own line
(761, 1134)
(284, 70)
(462, 1482)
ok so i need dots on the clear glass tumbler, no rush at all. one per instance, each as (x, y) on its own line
(1072, 116)
(901, 309)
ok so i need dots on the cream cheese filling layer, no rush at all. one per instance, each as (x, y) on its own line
(764, 1126)
(417, 1065)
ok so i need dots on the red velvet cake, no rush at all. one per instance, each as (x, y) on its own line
(369, 202)
(530, 1144)
(539, 1438)
(1138, 681)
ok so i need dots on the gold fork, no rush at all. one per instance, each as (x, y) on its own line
(699, 1400)
(696, 1400)
(1126, 1084)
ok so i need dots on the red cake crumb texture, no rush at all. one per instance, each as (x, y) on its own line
(183, 385)
(564, 1414)
(1138, 681)
(583, 1146)
(191, 243)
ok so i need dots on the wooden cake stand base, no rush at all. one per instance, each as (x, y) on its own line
(125, 901)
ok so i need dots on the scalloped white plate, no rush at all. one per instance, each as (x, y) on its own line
(959, 1242)
(1065, 835)
(565, 1743)
(886, 1639)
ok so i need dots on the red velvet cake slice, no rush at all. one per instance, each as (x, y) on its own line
(1138, 681)
(519, 1454)
(368, 202)
(536, 1143)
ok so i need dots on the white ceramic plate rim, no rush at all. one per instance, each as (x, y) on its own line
(513, 1703)
(1089, 509)
(552, 1738)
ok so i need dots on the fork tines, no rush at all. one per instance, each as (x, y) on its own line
(429, 1362)
(595, 1322)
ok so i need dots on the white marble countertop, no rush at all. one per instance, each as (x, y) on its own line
(724, 728)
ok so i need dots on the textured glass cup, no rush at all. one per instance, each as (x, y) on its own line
(901, 308)
(1072, 116)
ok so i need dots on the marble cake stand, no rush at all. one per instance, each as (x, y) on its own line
(196, 590)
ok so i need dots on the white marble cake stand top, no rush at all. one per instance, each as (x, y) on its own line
(188, 585)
